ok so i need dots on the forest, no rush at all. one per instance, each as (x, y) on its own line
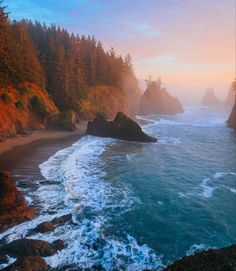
(68, 66)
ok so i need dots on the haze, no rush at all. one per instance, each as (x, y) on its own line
(189, 43)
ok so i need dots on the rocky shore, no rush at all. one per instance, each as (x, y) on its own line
(13, 207)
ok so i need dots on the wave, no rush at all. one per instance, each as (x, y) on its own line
(76, 183)
(208, 186)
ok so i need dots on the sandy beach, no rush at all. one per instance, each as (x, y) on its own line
(21, 155)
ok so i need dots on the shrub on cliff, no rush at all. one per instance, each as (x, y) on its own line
(19, 105)
(38, 107)
(62, 121)
(5, 97)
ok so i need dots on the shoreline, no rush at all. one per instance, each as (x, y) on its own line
(21, 155)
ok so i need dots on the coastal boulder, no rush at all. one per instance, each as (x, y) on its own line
(13, 207)
(122, 127)
(157, 101)
(51, 225)
(210, 99)
(231, 122)
(31, 247)
(214, 259)
(28, 263)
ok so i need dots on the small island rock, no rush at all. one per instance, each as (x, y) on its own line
(122, 127)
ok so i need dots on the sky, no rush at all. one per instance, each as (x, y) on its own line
(189, 43)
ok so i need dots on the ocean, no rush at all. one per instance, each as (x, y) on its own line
(139, 206)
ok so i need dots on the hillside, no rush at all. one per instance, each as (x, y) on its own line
(23, 109)
(74, 71)
(157, 101)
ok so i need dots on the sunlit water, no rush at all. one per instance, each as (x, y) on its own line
(140, 205)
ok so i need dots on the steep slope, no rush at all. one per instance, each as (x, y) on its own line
(105, 99)
(23, 109)
(210, 99)
(231, 122)
(158, 101)
(229, 101)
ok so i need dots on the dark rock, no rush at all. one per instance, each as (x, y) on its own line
(121, 127)
(51, 225)
(3, 259)
(223, 259)
(33, 263)
(45, 227)
(157, 101)
(231, 122)
(62, 121)
(13, 207)
(31, 247)
(210, 98)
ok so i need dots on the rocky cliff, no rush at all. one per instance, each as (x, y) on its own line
(214, 259)
(231, 122)
(105, 99)
(13, 207)
(23, 109)
(229, 101)
(157, 101)
(210, 99)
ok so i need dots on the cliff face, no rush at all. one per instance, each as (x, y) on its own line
(23, 109)
(105, 99)
(157, 101)
(230, 98)
(214, 259)
(210, 99)
(13, 207)
(231, 122)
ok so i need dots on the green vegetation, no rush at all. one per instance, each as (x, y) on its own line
(64, 64)
(19, 105)
(5, 97)
(62, 121)
(38, 107)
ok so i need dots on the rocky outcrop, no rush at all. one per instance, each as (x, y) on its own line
(105, 99)
(229, 101)
(62, 121)
(28, 263)
(51, 225)
(157, 101)
(231, 122)
(13, 207)
(30, 247)
(214, 259)
(23, 109)
(210, 99)
(121, 127)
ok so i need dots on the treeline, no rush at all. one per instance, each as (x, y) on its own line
(64, 64)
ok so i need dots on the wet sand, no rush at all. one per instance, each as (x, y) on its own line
(21, 155)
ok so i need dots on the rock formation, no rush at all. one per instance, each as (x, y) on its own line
(13, 207)
(157, 101)
(30, 247)
(121, 127)
(210, 99)
(229, 101)
(214, 259)
(27, 263)
(62, 121)
(231, 122)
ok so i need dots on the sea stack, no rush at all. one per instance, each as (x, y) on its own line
(231, 122)
(13, 207)
(157, 101)
(210, 99)
(122, 127)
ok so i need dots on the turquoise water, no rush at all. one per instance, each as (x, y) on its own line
(141, 205)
